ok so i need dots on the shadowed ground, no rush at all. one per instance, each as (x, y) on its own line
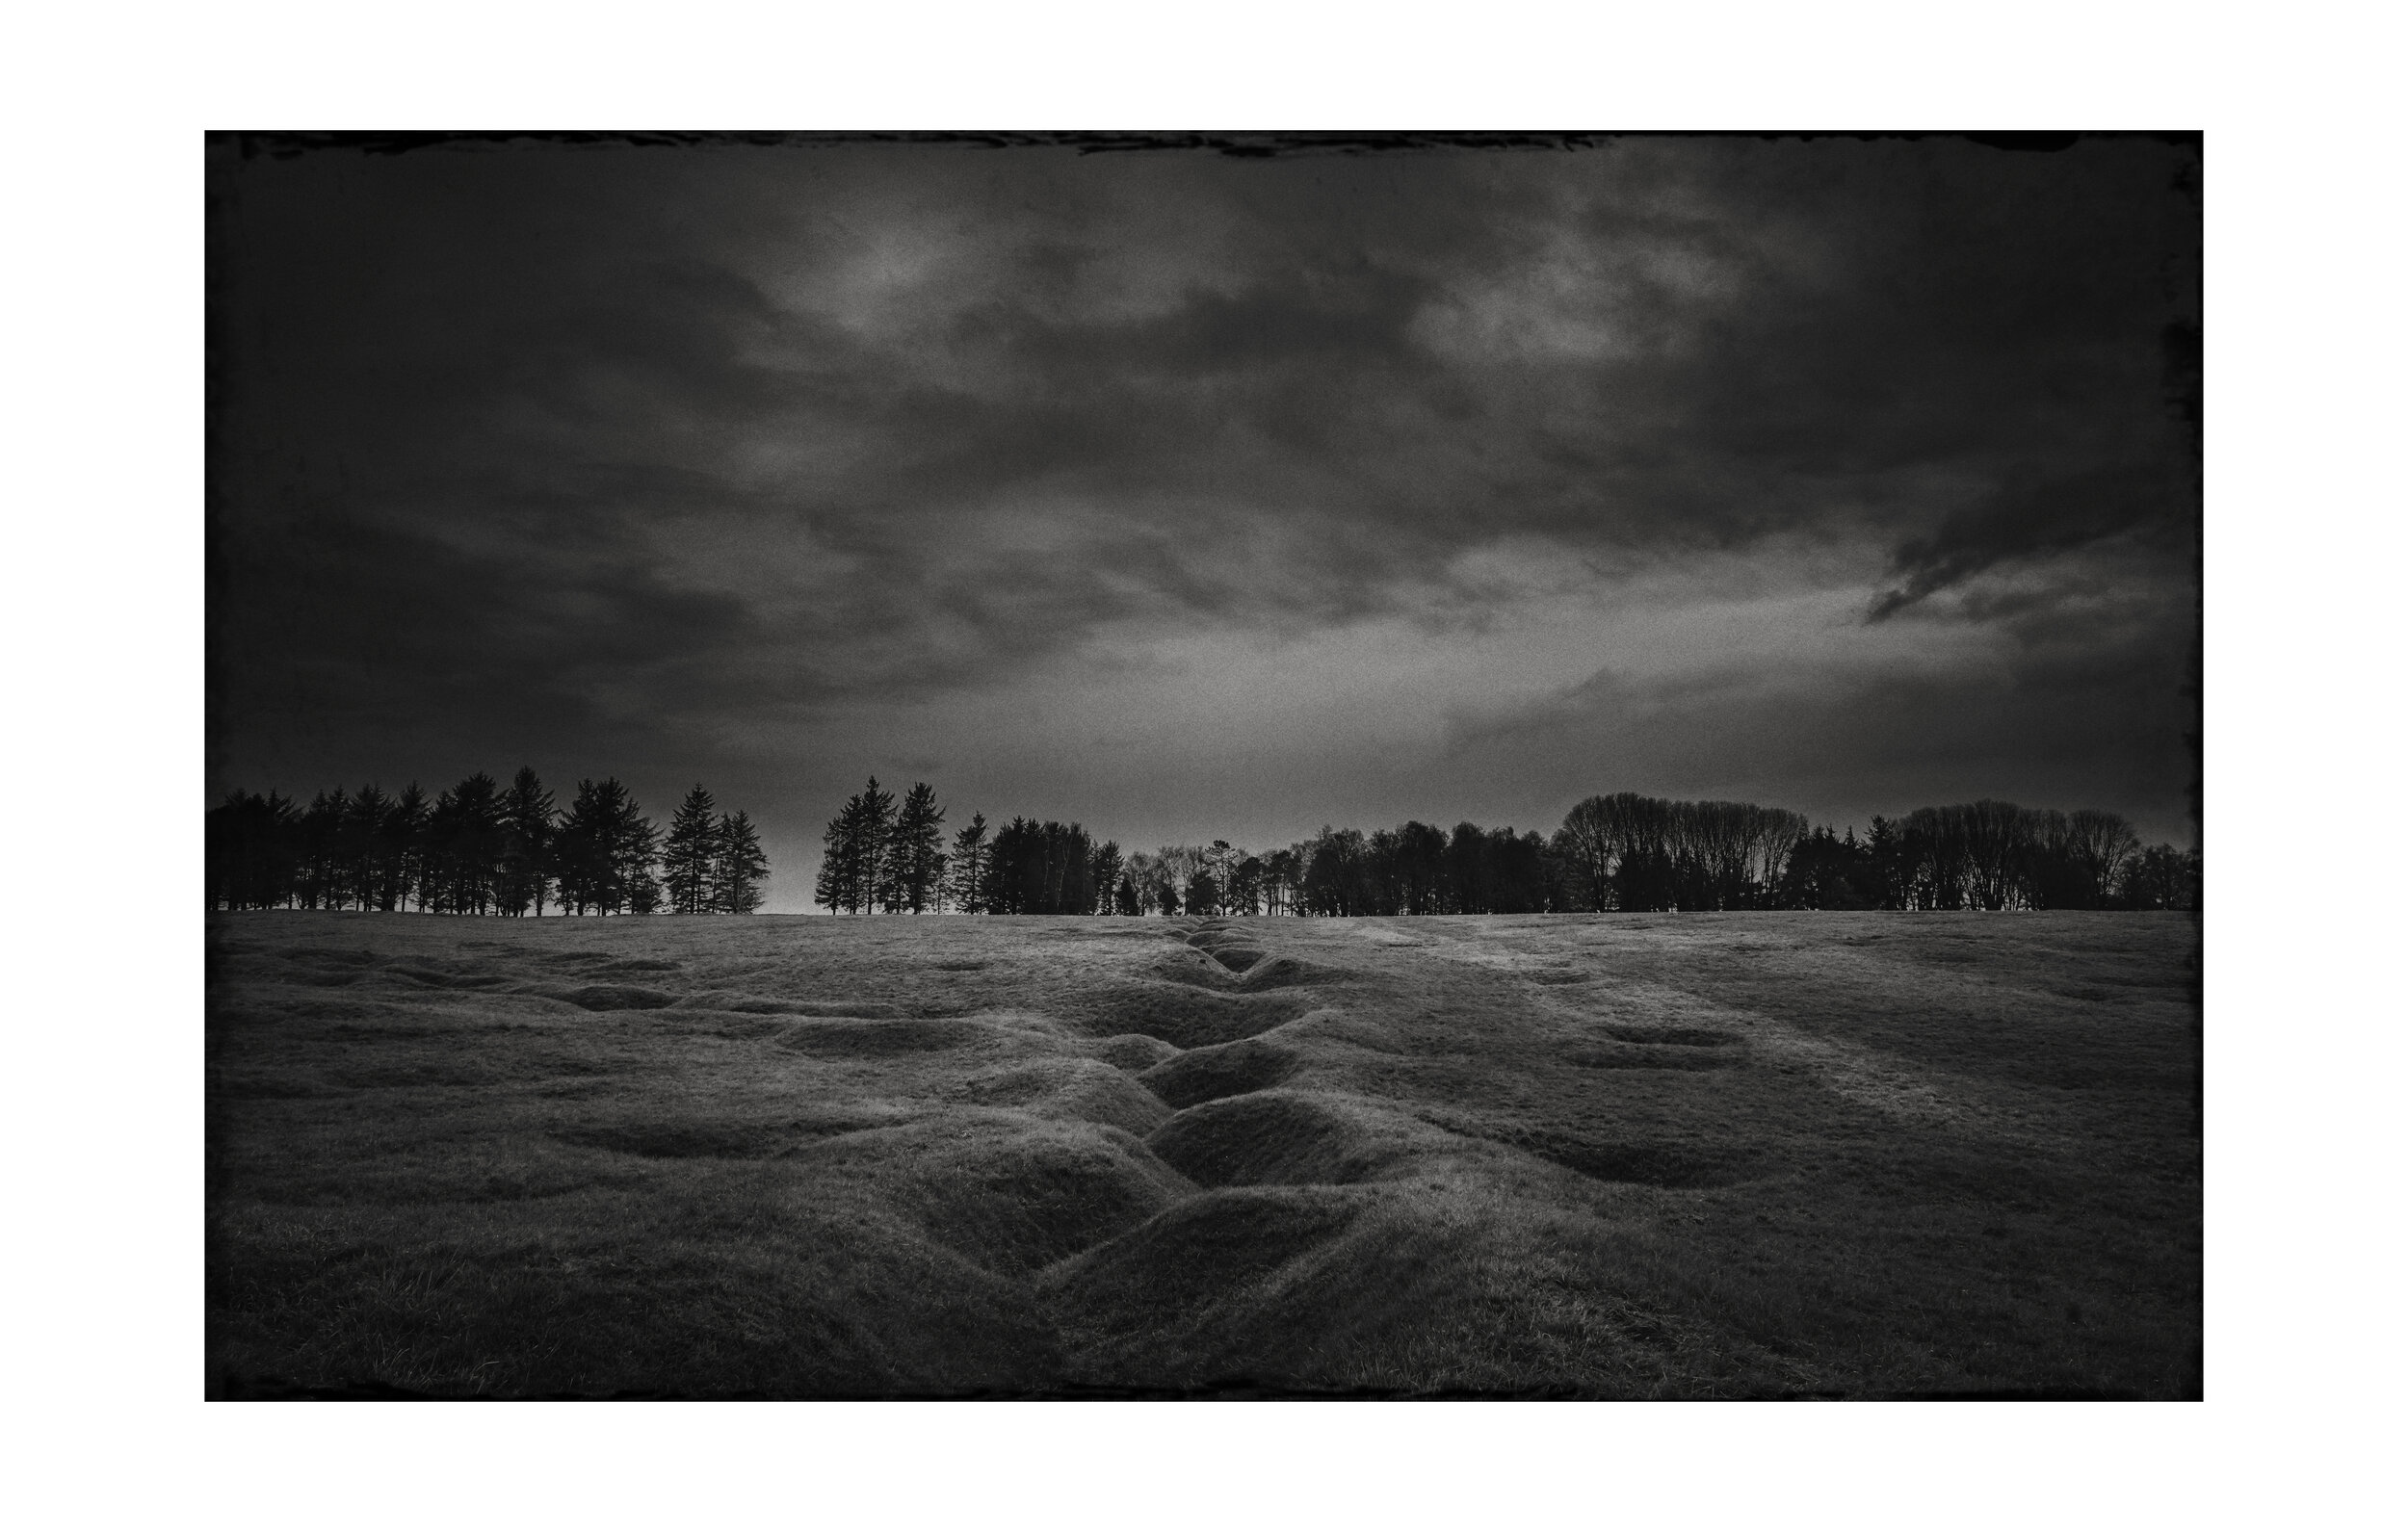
(1610, 1156)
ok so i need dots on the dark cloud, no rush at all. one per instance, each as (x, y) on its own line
(2028, 521)
(666, 453)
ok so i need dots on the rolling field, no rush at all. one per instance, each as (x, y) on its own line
(1621, 1156)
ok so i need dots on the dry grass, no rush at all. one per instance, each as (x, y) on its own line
(1694, 1156)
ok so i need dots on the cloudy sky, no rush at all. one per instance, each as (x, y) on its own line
(1198, 495)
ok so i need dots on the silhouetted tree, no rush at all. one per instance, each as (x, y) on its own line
(2087, 851)
(689, 854)
(526, 843)
(464, 846)
(352, 879)
(2162, 878)
(252, 848)
(318, 830)
(606, 852)
(1174, 866)
(1283, 876)
(1828, 873)
(1203, 897)
(1042, 869)
(849, 858)
(639, 847)
(477, 850)
(738, 869)
(1889, 872)
(1143, 872)
(1219, 859)
(913, 877)
(1105, 876)
(1336, 875)
(877, 828)
(854, 860)
(385, 865)
(965, 877)
(1244, 893)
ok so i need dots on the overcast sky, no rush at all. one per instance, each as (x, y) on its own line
(1192, 495)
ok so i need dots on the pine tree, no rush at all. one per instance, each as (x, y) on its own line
(635, 847)
(915, 854)
(579, 852)
(604, 852)
(321, 825)
(406, 841)
(965, 881)
(252, 849)
(1104, 879)
(465, 836)
(844, 861)
(356, 848)
(526, 843)
(738, 869)
(878, 832)
(688, 855)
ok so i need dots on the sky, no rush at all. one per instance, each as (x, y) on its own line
(1192, 494)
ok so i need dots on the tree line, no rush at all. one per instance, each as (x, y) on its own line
(1618, 851)
(480, 849)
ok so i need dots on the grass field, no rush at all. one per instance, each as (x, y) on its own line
(1692, 1155)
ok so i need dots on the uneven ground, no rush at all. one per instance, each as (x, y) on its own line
(1610, 1156)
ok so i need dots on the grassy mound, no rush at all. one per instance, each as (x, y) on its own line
(1280, 1137)
(1224, 1069)
(863, 1038)
(1071, 1089)
(1207, 1261)
(1004, 1190)
(1205, 969)
(1182, 1015)
(1133, 1051)
(1392, 1290)
(1640, 1164)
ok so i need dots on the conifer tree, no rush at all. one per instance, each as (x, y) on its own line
(686, 856)
(356, 846)
(605, 851)
(914, 866)
(965, 880)
(406, 837)
(251, 852)
(738, 869)
(845, 861)
(321, 826)
(464, 834)
(1104, 878)
(635, 847)
(578, 851)
(877, 835)
(526, 843)
(853, 865)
